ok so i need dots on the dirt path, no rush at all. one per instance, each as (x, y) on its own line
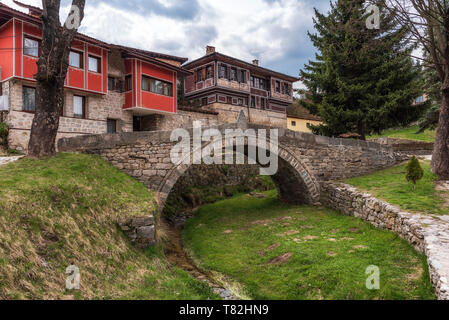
(175, 253)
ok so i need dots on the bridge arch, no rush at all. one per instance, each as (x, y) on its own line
(294, 181)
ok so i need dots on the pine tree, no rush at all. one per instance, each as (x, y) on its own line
(363, 80)
(414, 172)
(432, 87)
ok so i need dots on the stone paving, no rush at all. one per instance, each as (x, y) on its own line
(6, 160)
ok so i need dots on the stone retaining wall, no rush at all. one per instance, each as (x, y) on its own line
(419, 148)
(428, 234)
(140, 230)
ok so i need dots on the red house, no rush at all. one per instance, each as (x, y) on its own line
(109, 88)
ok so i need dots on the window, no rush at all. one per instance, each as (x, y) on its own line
(75, 59)
(94, 64)
(229, 100)
(262, 84)
(115, 84)
(286, 89)
(199, 75)
(262, 103)
(240, 102)
(128, 83)
(223, 71)
(243, 76)
(253, 102)
(204, 101)
(252, 81)
(112, 126)
(29, 99)
(79, 107)
(233, 74)
(209, 73)
(31, 47)
(157, 86)
(293, 123)
(278, 87)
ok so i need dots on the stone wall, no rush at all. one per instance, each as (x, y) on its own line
(140, 230)
(428, 234)
(99, 108)
(411, 147)
(184, 119)
(229, 114)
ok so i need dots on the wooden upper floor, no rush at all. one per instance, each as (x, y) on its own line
(216, 70)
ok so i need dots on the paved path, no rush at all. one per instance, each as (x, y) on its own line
(6, 160)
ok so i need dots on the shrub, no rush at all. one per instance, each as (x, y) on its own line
(414, 172)
(4, 131)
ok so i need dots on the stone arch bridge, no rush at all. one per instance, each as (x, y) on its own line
(305, 160)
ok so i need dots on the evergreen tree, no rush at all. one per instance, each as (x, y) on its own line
(363, 80)
(432, 87)
(414, 172)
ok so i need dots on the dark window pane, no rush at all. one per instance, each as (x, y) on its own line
(29, 99)
(112, 126)
(145, 81)
(128, 83)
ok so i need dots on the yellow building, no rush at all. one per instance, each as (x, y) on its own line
(298, 124)
(298, 118)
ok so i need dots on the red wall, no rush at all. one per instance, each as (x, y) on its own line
(6, 56)
(14, 63)
(145, 99)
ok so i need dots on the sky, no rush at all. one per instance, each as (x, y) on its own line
(272, 31)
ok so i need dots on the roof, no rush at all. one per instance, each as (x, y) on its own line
(151, 54)
(299, 112)
(250, 66)
(34, 16)
(127, 52)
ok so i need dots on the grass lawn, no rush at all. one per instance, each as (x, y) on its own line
(279, 251)
(63, 211)
(390, 185)
(408, 133)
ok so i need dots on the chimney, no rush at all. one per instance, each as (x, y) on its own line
(210, 50)
(256, 62)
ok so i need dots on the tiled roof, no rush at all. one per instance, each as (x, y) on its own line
(299, 112)
(151, 54)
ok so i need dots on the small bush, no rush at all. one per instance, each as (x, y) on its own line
(414, 172)
(4, 131)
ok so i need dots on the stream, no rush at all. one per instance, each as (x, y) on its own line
(175, 253)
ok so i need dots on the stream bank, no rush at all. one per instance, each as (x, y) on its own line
(175, 253)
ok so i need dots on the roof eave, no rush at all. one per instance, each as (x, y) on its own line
(250, 65)
(181, 71)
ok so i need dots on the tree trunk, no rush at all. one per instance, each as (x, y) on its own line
(361, 131)
(440, 161)
(52, 69)
(49, 103)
